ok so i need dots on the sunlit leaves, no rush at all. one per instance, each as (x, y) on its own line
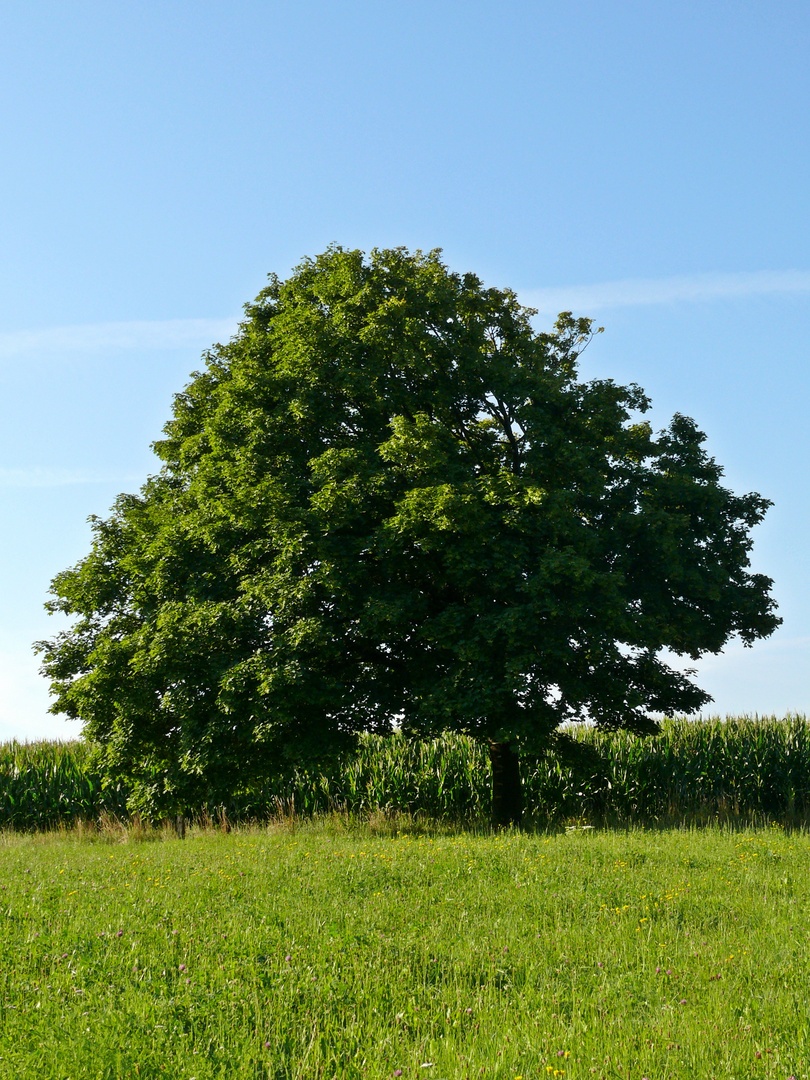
(389, 499)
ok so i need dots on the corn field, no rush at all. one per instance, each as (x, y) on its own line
(43, 784)
(693, 772)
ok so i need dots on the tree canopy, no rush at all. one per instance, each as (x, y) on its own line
(386, 501)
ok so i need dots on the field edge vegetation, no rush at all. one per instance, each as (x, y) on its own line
(743, 770)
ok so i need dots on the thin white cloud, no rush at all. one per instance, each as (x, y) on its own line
(39, 478)
(115, 336)
(634, 292)
(200, 333)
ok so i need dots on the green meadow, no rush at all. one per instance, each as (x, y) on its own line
(327, 948)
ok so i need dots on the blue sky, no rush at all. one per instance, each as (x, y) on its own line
(646, 164)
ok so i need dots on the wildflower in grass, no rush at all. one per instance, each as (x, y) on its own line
(182, 967)
(267, 1045)
(287, 959)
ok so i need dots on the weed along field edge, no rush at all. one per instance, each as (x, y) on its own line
(324, 949)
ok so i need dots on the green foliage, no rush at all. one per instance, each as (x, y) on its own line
(386, 498)
(314, 952)
(44, 784)
(693, 772)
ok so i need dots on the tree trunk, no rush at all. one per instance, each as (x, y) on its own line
(507, 793)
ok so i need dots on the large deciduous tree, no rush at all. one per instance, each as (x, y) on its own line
(389, 501)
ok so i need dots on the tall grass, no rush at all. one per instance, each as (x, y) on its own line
(694, 772)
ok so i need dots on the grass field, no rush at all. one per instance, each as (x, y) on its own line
(328, 950)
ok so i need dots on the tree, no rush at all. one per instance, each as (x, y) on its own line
(388, 500)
